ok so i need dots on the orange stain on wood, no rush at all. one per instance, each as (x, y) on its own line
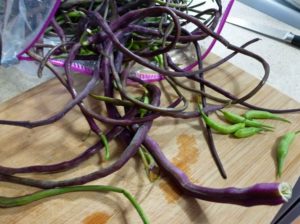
(97, 218)
(171, 194)
(187, 155)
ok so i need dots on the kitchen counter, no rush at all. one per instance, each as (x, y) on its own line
(283, 59)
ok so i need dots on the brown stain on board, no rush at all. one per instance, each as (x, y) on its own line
(171, 194)
(97, 218)
(187, 155)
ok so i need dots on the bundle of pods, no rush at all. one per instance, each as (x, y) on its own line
(116, 35)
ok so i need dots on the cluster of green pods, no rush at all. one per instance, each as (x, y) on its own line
(251, 128)
(243, 126)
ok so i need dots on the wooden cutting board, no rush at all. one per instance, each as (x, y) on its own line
(247, 161)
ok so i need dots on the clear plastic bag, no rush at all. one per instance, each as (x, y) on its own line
(295, 3)
(22, 22)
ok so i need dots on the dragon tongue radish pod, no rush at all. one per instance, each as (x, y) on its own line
(235, 118)
(220, 128)
(247, 132)
(259, 114)
(283, 148)
(22, 23)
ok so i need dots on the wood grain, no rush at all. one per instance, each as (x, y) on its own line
(247, 161)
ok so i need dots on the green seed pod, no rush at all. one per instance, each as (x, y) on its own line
(282, 150)
(221, 128)
(76, 14)
(144, 111)
(258, 114)
(247, 132)
(235, 118)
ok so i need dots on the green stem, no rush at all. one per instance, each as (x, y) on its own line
(148, 156)
(143, 157)
(83, 39)
(150, 165)
(8, 202)
(114, 101)
(106, 146)
(146, 100)
(279, 167)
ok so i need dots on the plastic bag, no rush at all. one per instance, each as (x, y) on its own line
(22, 22)
(295, 3)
